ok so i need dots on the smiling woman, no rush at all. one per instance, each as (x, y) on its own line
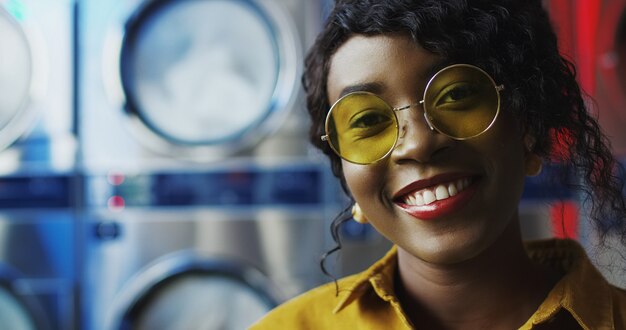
(433, 113)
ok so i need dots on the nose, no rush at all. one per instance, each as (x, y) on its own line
(417, 140)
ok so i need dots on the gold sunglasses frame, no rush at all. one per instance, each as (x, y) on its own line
(498, 89)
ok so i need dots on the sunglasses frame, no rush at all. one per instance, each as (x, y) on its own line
(498, 89)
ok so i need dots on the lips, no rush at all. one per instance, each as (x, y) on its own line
(438, 196)
(436, 193)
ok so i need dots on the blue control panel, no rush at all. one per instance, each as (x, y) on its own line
(36, 191)
(224, 187)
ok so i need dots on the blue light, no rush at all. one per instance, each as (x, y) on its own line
(16, 9)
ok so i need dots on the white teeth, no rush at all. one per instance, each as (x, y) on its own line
(452, 189)
(429, 197)
(419, 199)
(459, 185)
(440, 192)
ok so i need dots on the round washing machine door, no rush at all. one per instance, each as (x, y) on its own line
(208, 77)
(16, 75)
(13, 313)
(18, 311)
(191, 292)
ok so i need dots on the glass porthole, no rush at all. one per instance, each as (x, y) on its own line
(203, 72)
(15, 77)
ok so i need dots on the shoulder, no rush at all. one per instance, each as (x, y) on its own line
(312, 309)
(618, 296)
(583, 290)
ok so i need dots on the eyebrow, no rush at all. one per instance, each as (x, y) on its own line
(378, 87)
(372, 87)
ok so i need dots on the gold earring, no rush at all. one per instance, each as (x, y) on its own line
(358, 215)
(534, 165)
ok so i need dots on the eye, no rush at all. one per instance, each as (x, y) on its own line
(370, 119)
(458, 96)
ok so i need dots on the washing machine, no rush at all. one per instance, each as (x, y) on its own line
(167, 82)
(38, 273)
(36, 86)
(204, 205)
(202, 249)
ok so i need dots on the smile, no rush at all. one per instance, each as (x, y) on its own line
(436, 193)
(439, 199)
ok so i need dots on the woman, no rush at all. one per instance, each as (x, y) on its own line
(438, 111)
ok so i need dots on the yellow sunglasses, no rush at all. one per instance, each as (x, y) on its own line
(460, 101)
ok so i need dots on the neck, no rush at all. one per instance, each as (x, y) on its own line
(500, 288)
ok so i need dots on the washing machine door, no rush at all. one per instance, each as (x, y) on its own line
(208, 77)
(17, 310)
(191, 292)
(16, 73)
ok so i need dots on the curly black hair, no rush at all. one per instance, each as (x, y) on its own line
(514, 41)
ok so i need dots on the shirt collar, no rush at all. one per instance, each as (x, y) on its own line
(582, 291)
(379, 277)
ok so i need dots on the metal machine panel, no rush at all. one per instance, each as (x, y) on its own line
(37, 244)
(257, 230)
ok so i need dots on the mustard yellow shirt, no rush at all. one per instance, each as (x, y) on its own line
(581, 299)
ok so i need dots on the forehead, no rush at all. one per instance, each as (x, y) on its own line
(377, 63)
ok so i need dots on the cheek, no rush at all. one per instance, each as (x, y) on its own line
(509, 152)
(503, 146)
(367, 186)
(504, 151)
(364, 181)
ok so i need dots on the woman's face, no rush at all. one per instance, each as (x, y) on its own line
(477, 183)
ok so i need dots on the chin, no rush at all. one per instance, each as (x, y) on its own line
(449, 251)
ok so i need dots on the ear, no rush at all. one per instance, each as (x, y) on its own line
(533, 163)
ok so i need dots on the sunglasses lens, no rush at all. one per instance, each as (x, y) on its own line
(362, 128)
(461, 101)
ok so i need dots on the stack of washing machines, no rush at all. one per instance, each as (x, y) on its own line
(154, 167)
(38, 187)
(204, 205)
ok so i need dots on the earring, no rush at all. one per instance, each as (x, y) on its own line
(534, 165)
(358, 215)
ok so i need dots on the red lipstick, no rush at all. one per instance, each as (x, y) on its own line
(437, 208)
